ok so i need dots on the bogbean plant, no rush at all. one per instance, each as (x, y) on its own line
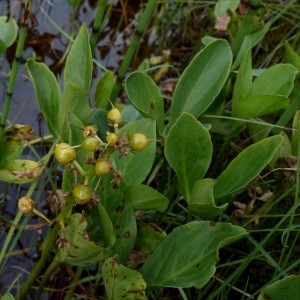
(108, 153)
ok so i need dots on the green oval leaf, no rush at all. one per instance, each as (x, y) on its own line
(144, 197)
(15, 136)
(122, 283)
(8, 32)
(75, 101)
(286, 288)
(74, 248)
(243, 83)
(202, 200)
(187, 257)
(188, 150)
(291, 56)
(101, 227)
(145, 95)
(78, 69)
(7, 296)
(104, 88)
(122, 216)
(259, 105)
(277, 80)
(246, 166)
(202, 80)
(47, 93)
(21, 171)
(136, 166)
(149, 236)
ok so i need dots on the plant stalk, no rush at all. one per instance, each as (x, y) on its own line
(98, 21)
(72, 287)
(133, 47)
(14, 70)
(47, 248)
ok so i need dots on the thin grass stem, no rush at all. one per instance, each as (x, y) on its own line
(72, 287)
(133, 47)
(98, 21)
(251, 256)
(15, 68)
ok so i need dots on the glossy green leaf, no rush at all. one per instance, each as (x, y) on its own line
(74, 100)
(277, 80)
(250, 30)
(187, 257)
(101, 226)
(248, 39)
(291, 56)
(242, 84)
(136, 166)
(47, 93)
(8, 32)
(79, 64)
(246, 166)
(202, 201)
(285, 149)
(295, 143)
(286, 288)
(149, 236)
(144, 197)
(103, 89)
(121, 213)
(7, 296)
(122, 283)
(130, 114)
(223, 6)
(21, 171)
(202, 80)
(15, 137)
(260, 105)
(74, 248)
(188, 149)
(145, 95)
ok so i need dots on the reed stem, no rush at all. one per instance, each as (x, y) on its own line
(97, 24)
(15, 68)
(133, 47)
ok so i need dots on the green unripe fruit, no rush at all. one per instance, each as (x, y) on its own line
(64, 153)
(81, 193)
(138, 142)
(112, 139)
(102, 167)
(91, 143)
(114, 116)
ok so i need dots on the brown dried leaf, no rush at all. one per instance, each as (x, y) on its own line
(222, 22)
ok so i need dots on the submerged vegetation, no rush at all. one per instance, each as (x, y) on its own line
(172, 173)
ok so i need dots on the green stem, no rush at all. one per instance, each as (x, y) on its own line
(78, 167)
(252, 255)
(14, 226)
(47, 248)
(289, 5)
(283, 260)
(72, 287)
(14, 70)
(97, 24)
(132, 49)
(55, 262)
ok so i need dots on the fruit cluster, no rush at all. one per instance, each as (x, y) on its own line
(66, 154)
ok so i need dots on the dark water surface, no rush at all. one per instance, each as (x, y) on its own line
(48, 45)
